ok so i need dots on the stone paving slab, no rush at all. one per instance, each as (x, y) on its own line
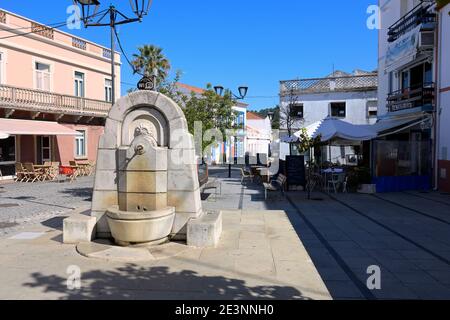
(264, 260)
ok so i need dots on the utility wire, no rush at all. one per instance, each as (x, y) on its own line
(24, 28)
(125, 55)
(34, 31)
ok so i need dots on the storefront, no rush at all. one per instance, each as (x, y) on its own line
(402, 155)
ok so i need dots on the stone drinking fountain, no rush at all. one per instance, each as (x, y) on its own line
(146, 188)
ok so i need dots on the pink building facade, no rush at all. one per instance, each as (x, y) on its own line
(50, 79)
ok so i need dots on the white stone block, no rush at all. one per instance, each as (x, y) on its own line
(143, 98)
(102, 200)
(183, 180)
(106, 159)
(169, 108)
(179, 228)
(79, 228)
(120, 108)
(154, 160)
(102, 223)
(109, 139)
(205, 231)
(105, 180)
(179, 159)
(181, 140)
(185, 201)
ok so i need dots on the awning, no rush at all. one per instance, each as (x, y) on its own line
(33, 127)
(331, 128)
(386, 126)
(4, 135)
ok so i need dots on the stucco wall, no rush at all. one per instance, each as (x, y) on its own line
(316, 107)
(66, 144)
(21, 52)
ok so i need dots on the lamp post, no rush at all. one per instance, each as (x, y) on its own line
(242, 90)
(93, 18)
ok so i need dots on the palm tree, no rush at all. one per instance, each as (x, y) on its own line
(150, 57)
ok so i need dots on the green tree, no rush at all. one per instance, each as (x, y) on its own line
(213, 111)
(151, 58)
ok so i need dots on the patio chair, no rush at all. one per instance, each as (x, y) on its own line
(33, 173)
(337, 179)
(246, 175)
(21, 173)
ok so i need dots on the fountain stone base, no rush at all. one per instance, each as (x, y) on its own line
(129, 228)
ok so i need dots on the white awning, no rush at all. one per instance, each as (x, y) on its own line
(33, 127)
(331, 128)
(386, 126)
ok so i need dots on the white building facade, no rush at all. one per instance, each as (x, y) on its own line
(258, 134)
(349, 97)
(403, 156)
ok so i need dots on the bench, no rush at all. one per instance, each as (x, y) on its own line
(275, 185)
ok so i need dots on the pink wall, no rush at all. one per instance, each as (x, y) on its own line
(65, 150)
(21, 53)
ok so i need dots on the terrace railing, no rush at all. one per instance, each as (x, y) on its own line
(43, 101)
(365, 82)
(421, 14)
(413, 97)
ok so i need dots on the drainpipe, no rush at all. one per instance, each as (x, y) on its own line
(437, 99)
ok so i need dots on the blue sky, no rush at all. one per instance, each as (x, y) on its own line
(234, 42)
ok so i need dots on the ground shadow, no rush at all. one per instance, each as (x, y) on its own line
(137, 282)
(85, 193)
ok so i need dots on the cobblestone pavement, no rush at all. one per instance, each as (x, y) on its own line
(26, 203)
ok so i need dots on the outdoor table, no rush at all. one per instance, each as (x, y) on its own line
(330, 171)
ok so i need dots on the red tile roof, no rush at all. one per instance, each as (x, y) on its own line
(190, 88)
(253, 116)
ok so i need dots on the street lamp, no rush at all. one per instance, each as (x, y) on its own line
(91, 17)
(271, 115)
(242, 94)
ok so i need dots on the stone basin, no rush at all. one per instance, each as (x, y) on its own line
(140, 227)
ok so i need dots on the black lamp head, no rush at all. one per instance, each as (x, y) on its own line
(218, 90)
(243, 91)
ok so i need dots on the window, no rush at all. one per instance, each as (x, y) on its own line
(108, 90)
(372, 108)
(338, 109)
(79, 84)
(80, 144)
(428, 74)
(296, 110)
(43, 76)
(405, 80)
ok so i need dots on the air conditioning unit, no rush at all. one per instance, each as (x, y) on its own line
(426, 40)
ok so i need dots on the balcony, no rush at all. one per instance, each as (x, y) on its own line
(420, 96)
(41, 101)
(350, 83)
(420, 15)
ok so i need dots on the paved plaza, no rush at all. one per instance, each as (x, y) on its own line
(337, 237)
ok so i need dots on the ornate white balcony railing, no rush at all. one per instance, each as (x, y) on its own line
(43, 101)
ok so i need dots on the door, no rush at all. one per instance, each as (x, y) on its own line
(46, 148)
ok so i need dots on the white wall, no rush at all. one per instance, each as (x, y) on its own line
(391, 11)
(444, 85)
(316, 107)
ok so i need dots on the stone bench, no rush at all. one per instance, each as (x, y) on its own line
(205, 231)
(78, 228)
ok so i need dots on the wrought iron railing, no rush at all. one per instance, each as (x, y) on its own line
(42, 101)
(421, 14)
(413, 97)
(333, 84)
